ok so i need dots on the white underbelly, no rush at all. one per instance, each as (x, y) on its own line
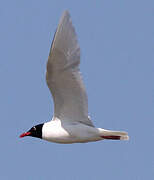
(68, 134)
(70, 140)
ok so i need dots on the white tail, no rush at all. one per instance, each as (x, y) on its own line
(113, 135)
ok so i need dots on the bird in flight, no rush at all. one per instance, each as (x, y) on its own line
(70, 122)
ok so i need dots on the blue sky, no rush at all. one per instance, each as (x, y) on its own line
(117, 63)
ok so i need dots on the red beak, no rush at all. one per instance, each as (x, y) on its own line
(25, 134)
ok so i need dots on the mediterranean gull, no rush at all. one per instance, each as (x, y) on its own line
(70, 122)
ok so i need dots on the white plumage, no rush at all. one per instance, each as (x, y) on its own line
(70, 122)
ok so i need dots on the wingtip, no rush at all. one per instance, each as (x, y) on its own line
(66, 13)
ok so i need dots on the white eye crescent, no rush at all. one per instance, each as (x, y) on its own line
(34, 128)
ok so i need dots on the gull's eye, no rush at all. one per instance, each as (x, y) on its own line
(34, 128)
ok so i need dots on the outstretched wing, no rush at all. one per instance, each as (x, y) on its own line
(63, 76)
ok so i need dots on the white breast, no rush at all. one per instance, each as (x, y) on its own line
(54, 131)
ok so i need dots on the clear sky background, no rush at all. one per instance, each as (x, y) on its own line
(117, 63)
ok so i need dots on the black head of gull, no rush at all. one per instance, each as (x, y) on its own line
(35, 131)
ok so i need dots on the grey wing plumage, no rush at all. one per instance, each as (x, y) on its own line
(63, 76)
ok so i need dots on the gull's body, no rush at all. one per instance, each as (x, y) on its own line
(70, 122)
(55, 131)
